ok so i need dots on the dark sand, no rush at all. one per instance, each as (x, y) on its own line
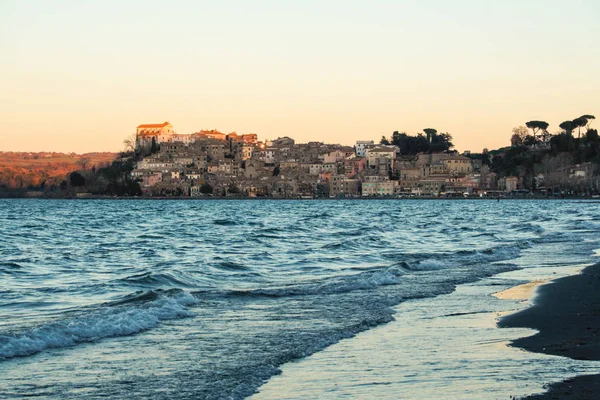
(567, 315)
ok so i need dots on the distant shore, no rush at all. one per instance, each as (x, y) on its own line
(205, 198)
(566, 315)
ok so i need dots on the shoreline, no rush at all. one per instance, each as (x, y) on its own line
(565, 314)
(494, 199)
(462, 318)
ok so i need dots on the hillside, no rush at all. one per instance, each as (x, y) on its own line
(22, 170)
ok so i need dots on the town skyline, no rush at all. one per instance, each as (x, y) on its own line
(120, 146)
(339, 71)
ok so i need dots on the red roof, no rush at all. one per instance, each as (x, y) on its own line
(154, 125)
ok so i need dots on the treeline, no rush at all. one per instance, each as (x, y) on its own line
(111, 180)
(6, 156)
(26, 170)
(103, 175)
(535, 151)
(539, 131)
(429, 141)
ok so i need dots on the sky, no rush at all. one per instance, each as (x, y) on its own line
(79, 75)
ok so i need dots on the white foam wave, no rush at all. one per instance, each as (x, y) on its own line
(343, 284)
(431, 264)
(93, 327)
(382, 278)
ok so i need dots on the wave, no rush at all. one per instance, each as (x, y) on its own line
(122, 321)
(435, 261)
(335, 246)
(272, 230)
(10, 267)
(353, 244)
(152, 279)
(379, 276)
(490, 234)
(151, 236)
(143, 296)
(528, 227)
(263, 236)
(224, 222)
(231, 266)
(317, 217)
(341, 284)
(430, 264)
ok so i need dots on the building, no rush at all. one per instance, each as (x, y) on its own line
(458, 164)
(159, 132)
(411, 173)
(210, 134)
(511, 183)
(354, 165)
(317, 168)
(215, 150)
(250, 138)
(333, 156)
(362, 145)
(288, 164)
(282, 142)
(372, 154)
(379, 188)
(179, 137)
(340, 185)
(270, 155)
(247, 151)
(431, 186)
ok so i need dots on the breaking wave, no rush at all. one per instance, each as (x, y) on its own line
(344, 284)
(122, 321)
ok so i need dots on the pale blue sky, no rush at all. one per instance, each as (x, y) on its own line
(80, 75)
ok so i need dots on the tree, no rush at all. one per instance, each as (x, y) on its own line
(486, 158)
(440, 142)
(322, 190)
(206, 188)
(430, 132)
(153, 146)
(396, 137)
(276, 170)
(76, 179)
(129, 143)
(384, 141)
(562, 143)
(530, 140)
(83, 162)
(521, 131)
(233, 188)
(592, 135)
(515, 140)
(411, 145)
(589, 119)
(537, 126)
(568, 127)
(578, 123)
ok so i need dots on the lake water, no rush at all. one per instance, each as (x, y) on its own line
(212, 299)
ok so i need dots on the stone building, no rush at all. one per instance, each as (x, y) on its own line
(161, 133)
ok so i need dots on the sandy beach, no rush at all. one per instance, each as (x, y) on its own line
(566, 315)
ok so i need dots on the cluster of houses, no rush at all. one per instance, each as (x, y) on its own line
(211, 162)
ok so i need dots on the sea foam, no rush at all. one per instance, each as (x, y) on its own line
(339, 284)
(119, 321)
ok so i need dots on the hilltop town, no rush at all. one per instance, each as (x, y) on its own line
(212, 163)
(159, 162)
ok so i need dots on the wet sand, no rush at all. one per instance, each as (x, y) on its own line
(567, 315)
(522, 292)
(448, 346)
